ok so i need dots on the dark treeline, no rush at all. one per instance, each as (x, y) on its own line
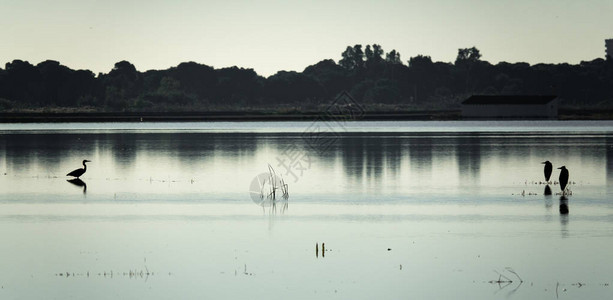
(377, 80)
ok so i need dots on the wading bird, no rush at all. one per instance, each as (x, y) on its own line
(548, 169)
(78, 172)
(563, 177)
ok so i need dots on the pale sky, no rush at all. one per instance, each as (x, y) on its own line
(270, 36)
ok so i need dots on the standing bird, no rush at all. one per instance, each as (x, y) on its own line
(548, 169)
(78, 172)
(563, 177)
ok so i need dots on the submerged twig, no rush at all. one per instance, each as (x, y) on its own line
(500, 276)
(512, 271)
(504, 281)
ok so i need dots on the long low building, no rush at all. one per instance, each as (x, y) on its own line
(510, 106)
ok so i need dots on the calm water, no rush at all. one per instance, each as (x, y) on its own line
(437, 210)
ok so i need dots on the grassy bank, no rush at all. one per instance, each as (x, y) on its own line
(31, 117)
(92, 116)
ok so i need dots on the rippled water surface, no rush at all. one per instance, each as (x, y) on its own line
(416, 210)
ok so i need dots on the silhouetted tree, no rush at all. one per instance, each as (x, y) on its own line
(467, 55)
(53, 78)
(358, 56)
(467, 70)
(238, 86)
(196, 78)
(24, 82)
(377, 56)
(420, 62)
(374, 63)
(384, 91)
(373, 56)
(393, 57)
(121, 85)
(352, 58)
(368, 53)
(293, 87)
(421, 76)
(78, 89)
(347, 59)
(332, 77)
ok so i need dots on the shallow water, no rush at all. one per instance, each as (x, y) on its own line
(405, 209)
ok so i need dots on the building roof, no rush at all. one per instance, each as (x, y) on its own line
(509, 99)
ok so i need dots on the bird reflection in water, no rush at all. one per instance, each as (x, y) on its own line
(79, 182)
(564, 216)
(563, 205)
(547, 192)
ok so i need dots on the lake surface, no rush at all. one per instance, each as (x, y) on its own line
(417, 210)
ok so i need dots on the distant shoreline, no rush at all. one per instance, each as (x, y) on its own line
(233, 116)
(214, 116)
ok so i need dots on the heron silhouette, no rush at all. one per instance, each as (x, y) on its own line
(548, 169)
(78, 172)
(563, 177)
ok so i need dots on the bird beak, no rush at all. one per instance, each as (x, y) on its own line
(560, 168)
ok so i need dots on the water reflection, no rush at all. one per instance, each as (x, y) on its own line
(547, 191)
(609, 160)
(79, 182)
(468, 152)
(420, 151)
(25, 149)
(358, 163)
(564, 216)
(548, 197)
(563, 205)
(420, 195)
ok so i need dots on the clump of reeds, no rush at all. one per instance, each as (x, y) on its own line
(275, 183)
(284, 189)
(271, 187)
